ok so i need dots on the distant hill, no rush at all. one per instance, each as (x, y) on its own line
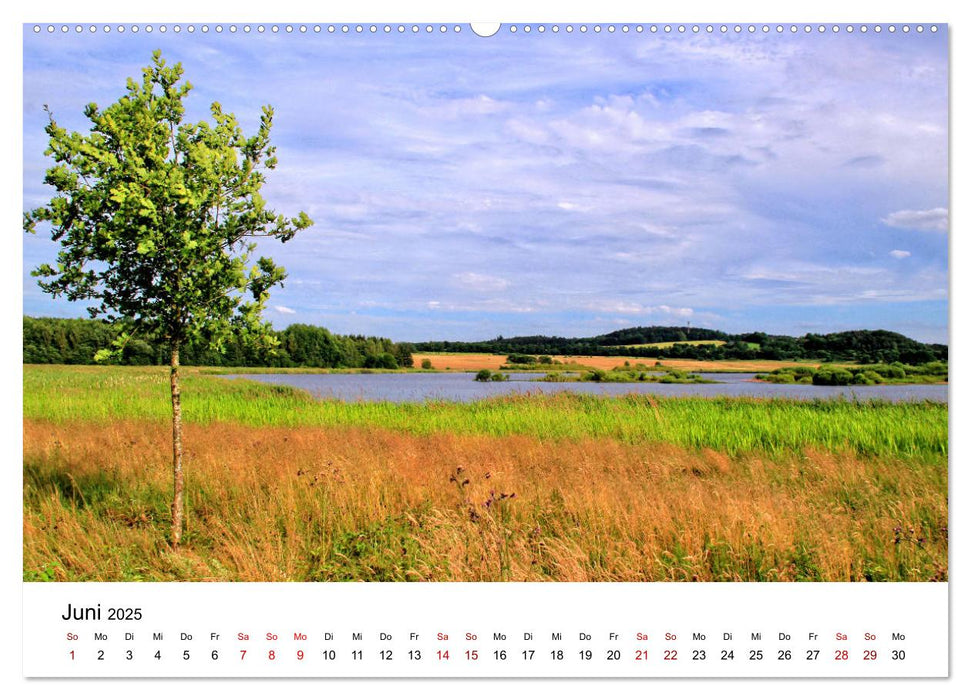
(868, 346)
(646, 335)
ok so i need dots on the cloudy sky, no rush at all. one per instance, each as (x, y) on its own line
(569, 183)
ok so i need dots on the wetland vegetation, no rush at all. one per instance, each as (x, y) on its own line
(567, 487)
(860, 375)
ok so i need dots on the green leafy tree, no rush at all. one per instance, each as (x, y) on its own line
(155, 218)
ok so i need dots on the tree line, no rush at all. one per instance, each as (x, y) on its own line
(73, 341)
(863, 346)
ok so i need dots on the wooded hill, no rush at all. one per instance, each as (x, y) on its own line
(848, 346)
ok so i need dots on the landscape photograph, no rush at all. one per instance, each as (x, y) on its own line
(563, 303)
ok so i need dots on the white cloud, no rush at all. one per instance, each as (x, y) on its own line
(284, 309)
(632, 308)
(664, 309)
(480, 283)
(918, 220)
(462, 108)
(797, 272)
(900, 254)
(485, 306)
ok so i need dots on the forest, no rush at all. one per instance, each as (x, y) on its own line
(72, 341)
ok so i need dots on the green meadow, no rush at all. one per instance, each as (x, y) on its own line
(732, 425)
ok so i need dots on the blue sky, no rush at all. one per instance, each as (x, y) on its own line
(568, 184)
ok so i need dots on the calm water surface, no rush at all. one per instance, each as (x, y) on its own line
(401, 388)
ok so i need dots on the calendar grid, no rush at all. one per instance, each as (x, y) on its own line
(486, 630)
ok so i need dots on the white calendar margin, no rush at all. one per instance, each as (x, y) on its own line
(506, 10)
(459, 629)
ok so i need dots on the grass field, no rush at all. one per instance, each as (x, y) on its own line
(283, 487)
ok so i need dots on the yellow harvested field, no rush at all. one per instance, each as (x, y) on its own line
(671, 344)
(691, 365)
(459, 361)
(476, 361)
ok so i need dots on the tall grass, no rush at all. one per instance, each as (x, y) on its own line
(567, 487)
(277, 503)
(731, 425)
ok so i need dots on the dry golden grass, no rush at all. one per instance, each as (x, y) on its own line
(275, 504)
(476, 361)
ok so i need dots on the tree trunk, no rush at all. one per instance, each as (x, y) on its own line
(179, 481)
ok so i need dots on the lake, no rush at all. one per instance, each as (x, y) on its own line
(460, 386)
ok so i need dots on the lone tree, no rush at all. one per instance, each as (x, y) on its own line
(155, 218)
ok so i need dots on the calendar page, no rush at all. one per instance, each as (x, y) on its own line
(410, 348)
